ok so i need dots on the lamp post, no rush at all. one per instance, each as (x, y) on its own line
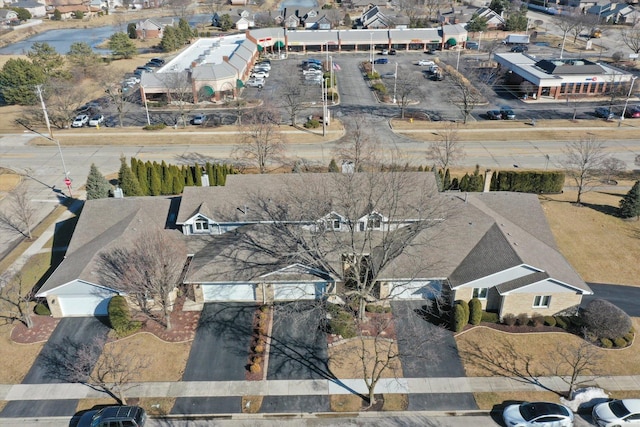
(395, 82)
(324, 107)
(458, 60)
(480, 41)
(626, 103)
(373, 68)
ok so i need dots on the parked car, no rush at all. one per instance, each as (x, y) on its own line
(88, 108)
(507, 113)
(384, 52)
(494, 115)
(392, 51)
(388, 75)
(144, 68)
(633, 112)
(472, 45)
(312, 67)
(152, 64)
(625, 412)
(158, 61)
(381, 61)
(311, 71)
(537, 414)
(198, 119)
(438, 76)
(426, 63)
(137, 72)
(259, 74)
(263, 66)
(259, 83)
(96, 120)
(80, 121)
(605, 113)
(129, 416)
(520, 48)
(311, 61)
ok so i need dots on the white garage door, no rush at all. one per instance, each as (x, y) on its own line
(298, 291)
(231, 292)
(83, 306)
(419, 289)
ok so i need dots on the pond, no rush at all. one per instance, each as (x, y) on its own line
(298, 4)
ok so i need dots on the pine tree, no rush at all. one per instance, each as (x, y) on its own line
(220, 177)
(188, 182)
(197, 175)
(630, 203)
(143, 179)
(128, 181)
(97, 185)
(446, 182)
(209, 169)
(167, 179)
(155, 185)
(178, 184)
(333, 166)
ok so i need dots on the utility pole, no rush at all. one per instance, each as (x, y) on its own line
(67, 179)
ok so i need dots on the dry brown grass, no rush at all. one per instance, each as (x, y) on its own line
(354, 403)
(157, 405)
(344, 358)
(9, 181)
(166, 360)
(251, 404)
(395, 402)
(488, 400)
(537, 347)
(600, 246)
(16, 358)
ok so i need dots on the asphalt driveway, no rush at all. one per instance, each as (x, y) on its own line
(298, 345)
(219, 353)
(69, 335)
(429, 351)
(625, 297)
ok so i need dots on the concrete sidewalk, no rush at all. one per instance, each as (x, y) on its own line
(314, 387)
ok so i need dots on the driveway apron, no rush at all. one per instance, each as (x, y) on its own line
(70, 333)
(298, 348)
(411, 330)
(625, 297)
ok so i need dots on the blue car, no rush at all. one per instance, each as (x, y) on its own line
(381, 61)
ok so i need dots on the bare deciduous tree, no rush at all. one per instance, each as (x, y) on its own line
(19, 214)
(358, 146)
(447, 150)
(104, 366)
(64, 97)
(405, 86)
(572, 361)
(464, 95)
(118, 96)
(631, 38)
(179, 93)
(262, 141)
(292, 95)
(612, 166)
(148, 271)
(15, 301)
(583, 163)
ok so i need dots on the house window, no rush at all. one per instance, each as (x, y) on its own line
(480, 293)
(541, 301)
(373, 221)
(336, 224)
(201, 225)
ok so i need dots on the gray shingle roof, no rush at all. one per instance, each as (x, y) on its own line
(522, 281)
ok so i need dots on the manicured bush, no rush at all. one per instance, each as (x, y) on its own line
(475, 311)
(605, 320)
(256, 360)
(42, 309)
(537, 319)
(258, 349)
(342, 323)
(549, 320)
(576, 321)
(490, 317)
(528, 181)
(522, 319)
(561, 322)
(465, 307)
(155, 126)
(374, 308)
(312, 124)
(460, 318)
(379, 87)
(606, 343)
(509, 319)
(255, 368)
(620, 342)
(120, 317)
(629, 337)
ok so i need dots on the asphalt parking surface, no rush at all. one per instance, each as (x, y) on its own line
(298, 345)
(70, 333)
(625, 297)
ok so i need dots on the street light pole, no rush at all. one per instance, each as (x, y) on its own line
(395, 82)
(626, 103)
(480, 41)
(373, 68)
(458, 60)
(324, 107)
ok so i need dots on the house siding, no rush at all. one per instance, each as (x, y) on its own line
(523, 303)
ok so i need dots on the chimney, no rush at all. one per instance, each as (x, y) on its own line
(487, 180)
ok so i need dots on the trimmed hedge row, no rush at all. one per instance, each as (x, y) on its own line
(528, 181)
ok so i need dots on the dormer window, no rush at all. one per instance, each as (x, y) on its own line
(201, 225)
(374, 222)
(336, 224)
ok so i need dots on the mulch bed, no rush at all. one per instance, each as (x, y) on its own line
(258, 338)
(42, 329)
(183, 325)
(371, 326)
(517, 329)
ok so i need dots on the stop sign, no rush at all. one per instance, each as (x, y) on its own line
(67, 182)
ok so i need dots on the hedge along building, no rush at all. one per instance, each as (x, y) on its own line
(563, 78)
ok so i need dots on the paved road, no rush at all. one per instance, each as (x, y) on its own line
(625, 297)
(65, 340)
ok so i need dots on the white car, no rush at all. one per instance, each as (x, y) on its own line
(80, 121)
(425, 63)
(538, 414)
(259, 83)
(96, 120)
(259, 74)
(625, 412)
(312, 72)
(263, 65)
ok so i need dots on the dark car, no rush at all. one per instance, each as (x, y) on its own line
(438, 76)
(153, 64)
(507, 113)
(381, 61)
(157, 61)
(494, 115)
(605, 113)
(129, 416)
(633, 112)
(392, 52)
(519, 48)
